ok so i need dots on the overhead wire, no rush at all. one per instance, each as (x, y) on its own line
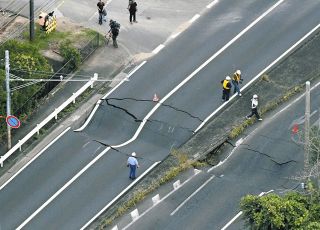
(44, 6)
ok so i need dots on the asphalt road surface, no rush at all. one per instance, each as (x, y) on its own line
(75, 177)
(268, 158)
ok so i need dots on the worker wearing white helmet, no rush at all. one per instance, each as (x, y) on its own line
(133, 164)
(226, 88)
(254, 108)
(236, 80)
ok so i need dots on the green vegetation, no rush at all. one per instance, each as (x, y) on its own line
(70, 54)
(182, 164)
(25, 62)
(43, 41)
(292, 211)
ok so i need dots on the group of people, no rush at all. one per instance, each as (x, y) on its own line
(236, 80)
(115, 26)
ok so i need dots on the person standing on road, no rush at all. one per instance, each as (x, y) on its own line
(254, 108)
(101, 10)
(133, 164)
(132, 7)
(236, 80)
(226, 88)
(114, 30)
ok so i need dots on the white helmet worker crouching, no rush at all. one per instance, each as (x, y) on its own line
(255, 96)
(228, 78)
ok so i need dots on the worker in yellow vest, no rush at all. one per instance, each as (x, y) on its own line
(226, 88)
(236, 80)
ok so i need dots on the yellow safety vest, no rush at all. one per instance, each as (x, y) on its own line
(236, 77)
(225, 84)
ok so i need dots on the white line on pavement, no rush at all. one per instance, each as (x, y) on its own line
(232, 220)
(125, 79)
(212, 4)
(175, 35)
(95, 13)
(194, 74)
(194, 193)
(60, 5)
(34, 158)
(241, 140)
(195, 17)
(158, 48)
(164, 198)
(256, 77)
(62, 189)
(240, 213)
(120, 194)
(151, 112)
(105, 96)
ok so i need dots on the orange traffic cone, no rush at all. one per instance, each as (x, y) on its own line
(155, 98)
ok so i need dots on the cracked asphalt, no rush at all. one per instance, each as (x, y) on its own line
(267, 159)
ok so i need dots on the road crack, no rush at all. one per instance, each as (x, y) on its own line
(142, 100)
(271, 158)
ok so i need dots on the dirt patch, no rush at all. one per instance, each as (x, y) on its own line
(11, 26)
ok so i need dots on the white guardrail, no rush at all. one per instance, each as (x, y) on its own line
(54, 114)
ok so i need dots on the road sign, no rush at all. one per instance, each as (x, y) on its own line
(13, 121)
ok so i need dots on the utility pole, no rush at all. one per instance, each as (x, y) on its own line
(8, 96)
(307, 128)
(31, 20)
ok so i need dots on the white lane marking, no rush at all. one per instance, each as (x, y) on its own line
(232, 220)
(194, 193)
(90, 117)
(195, 17)
(125, 79)
(241, 140)
(256, 77)
(62, 189)
(194, 73)
(60, 5)
(34, 158)
(175, 35)
(95, 13)
(158, 48)
(105, 96)
(212, 4)
(120, 194)
(164, 198)
(154, 109)
(240, 213)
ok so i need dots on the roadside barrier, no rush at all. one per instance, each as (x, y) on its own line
(54, 114)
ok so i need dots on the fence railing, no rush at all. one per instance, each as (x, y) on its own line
(54, 114)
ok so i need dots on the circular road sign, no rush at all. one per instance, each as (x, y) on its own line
(13, 121)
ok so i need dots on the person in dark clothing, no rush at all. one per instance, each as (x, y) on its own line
(114, 30)
(101, 10)
(132, 7)
(226, 88)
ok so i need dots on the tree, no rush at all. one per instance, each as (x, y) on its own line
(272, 212)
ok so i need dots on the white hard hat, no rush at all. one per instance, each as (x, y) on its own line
(228, 78)
(255, 96)
(238, 71)
(133, 154)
